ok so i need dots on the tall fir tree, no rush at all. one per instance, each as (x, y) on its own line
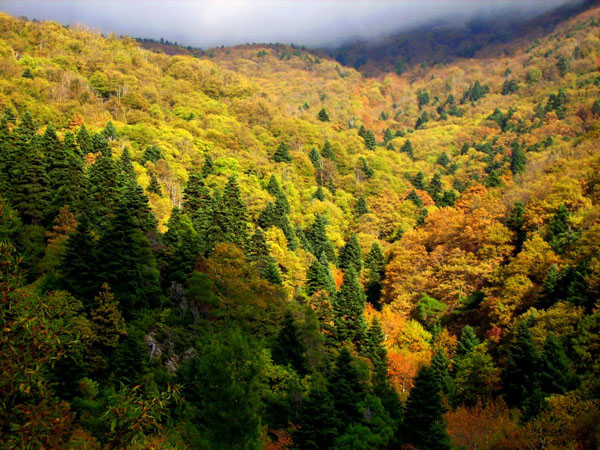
(231, 217)
(84, 141)
(348, 306)
(327, 151)
(516, 223)
(319, 242)
(351, 255)
(522, 375)
(282, 154)
(30, 183)
(79, 267)
(208, 167)
(126, 261)
(317, 423)
(377, 353)
(361, 206)
(346, 389)
(424, 426)
(288, 348)
(318, 277)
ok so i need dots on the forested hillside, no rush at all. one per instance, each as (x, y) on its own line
(259, 247)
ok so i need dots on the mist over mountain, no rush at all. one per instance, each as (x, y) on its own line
(208, 23)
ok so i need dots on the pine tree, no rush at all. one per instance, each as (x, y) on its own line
(443, 160)
(315, 159)
(152, 153)
(103, 189)
(370, 141)
(79, 268)
(275, 190)
(441, 373)
(363, 165)
(361, 206)
(517, 160)
(100, 145)
(348, 307)
(126, 261)
(126, 165)
(258, 248)
(30, 184)
(387, 135)
(84, 141)
(327, 151)
(376, 351)
(231, 216)
(362, 131)
(346, 389)
(351, 255)
(424, 425)
(419, 181)
(271, 273)
(559, 234)
(414, 197)
(288, 348)
(182, 248)
(522, 376)
(110, 132)
(319, 242)
(435, 187)
(318, 277)
(323, 116)
(208, 167)
(467, 342)
(106, 322)
(516, 223)
(27, 73)
(557, 375)
(319, 194)
(154, 185)
(282, 154)
(408, 149)
(317, 421)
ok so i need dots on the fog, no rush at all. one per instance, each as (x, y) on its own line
(208, 23)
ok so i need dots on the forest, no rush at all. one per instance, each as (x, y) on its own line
(259, 247)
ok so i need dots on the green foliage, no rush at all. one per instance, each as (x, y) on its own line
(323, 116)
(288, 348)
(361, 206)
(351, 255)
(423, 424)
(282, 154)
(152, 153)
(348, 307)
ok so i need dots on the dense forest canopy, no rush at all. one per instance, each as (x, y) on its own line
(260, 247)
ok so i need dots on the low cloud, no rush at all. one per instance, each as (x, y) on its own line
(208, 23)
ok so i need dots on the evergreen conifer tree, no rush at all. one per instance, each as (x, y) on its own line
(315, 159)
(517, 160)
(424, 425)
(110, 132)
(319, 242)
(208, 167)
(435, 187)
(522, 376)
(408, 149)
(323, 116)
(363, 165)
(319, 194)
(376, 351)
(351, 255)
(515, 223)
(79, 268)
(327, 151)
(84, 141)
(346, 389)
(288, 348)
(317, 421)
(282, 154)
(557, 375)
(154, 185)
(271, 273)
(467, 342)
(348, 307)
(361, 206)
(231, 217)
(370, 141)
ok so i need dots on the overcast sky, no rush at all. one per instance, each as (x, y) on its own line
(207, 23)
